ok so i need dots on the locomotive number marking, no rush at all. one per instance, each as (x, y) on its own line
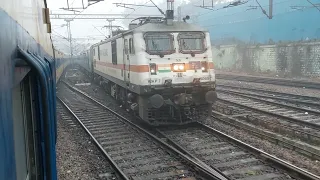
(179, 75)
(205, 78)
(178, 60)
(154, 81)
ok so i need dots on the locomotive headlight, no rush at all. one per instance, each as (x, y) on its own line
(181, 67)
(204, 66)
(178, 67)
(153, 68)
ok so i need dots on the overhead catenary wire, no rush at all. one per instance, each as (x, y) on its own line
(247, 20)
(99, 31)
(216, 17)
(213, 10)
(58, 34)
(160, 10)
(262, 9)
(313, 5)
(137, 9)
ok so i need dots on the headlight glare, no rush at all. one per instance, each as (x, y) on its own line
(175, 67)
(179, 67)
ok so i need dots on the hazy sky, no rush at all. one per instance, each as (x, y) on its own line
(93, 28)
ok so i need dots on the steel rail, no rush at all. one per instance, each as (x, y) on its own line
(296, 98)
(269, 91)
(238, 124)
(199, 166)
(268, 80)
(285, 165)
(108, 157)
(251, 96)
(282, 125)
(305, 123)
(183, 150)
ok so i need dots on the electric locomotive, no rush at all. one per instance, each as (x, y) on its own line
(159, 69)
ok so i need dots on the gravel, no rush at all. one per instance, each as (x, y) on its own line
(77, 156)
(271, 87)
(282, 153)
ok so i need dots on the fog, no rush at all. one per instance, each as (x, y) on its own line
(87, 32)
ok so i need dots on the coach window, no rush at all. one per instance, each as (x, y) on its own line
(131, 47)
(114, 51)
(126, 46)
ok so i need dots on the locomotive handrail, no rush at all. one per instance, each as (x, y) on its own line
(43, 72)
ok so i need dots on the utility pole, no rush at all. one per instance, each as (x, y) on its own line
(269, 15)
(270, 9)
(70, 37)
(170, 4)
(110, 26)
(179, 13)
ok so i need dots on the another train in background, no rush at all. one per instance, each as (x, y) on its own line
(159, 69)
(61, 63)
(30, 68)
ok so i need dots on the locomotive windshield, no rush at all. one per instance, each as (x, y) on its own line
(159, 43)
(191, 42)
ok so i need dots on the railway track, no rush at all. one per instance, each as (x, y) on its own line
(105, 170)
(132, 151)
(292, 127)
(305, 117)
(232, 157)
(64, 116)
(269, 80)
(304, 102)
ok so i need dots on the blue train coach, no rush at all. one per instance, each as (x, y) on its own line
(29, 70)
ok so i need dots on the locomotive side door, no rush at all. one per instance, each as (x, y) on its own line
(126, 61)
(129, 55)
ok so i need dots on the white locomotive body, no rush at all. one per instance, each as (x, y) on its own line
(164, 73)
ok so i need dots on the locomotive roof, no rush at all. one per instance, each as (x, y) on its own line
(158, 27)
(176, 26)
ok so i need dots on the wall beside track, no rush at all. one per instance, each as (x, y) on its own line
(284, 59)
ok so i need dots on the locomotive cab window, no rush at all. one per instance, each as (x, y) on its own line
(159, 43)
(191, 42)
